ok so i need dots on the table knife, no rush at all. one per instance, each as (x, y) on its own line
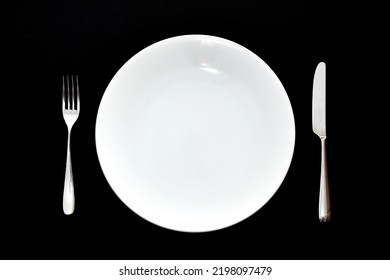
(319, 128)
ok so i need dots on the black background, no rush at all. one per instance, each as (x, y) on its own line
(46, 39)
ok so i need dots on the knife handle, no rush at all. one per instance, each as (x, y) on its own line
(324, 201)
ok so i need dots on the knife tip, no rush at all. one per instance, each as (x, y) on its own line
(321, 65)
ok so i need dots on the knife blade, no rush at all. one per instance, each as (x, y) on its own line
(319, 128)
(319, 100)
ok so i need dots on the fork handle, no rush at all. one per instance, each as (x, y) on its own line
(324, 200)
(68, 201)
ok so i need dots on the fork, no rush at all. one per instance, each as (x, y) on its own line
(70, 111)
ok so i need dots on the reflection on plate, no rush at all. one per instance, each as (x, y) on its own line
(195, 133)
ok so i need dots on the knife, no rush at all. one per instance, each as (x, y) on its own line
(319, 128)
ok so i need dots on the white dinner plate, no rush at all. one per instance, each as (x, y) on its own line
(195, 133)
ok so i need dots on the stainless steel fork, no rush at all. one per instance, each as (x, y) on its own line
(70, 111)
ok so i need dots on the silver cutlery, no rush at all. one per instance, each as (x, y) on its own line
(319, 128)
(70, 111)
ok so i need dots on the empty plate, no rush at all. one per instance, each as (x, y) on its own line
(195, 133)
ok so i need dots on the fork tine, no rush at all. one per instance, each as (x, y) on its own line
(73, 103)
(78, 93)
(68, 92)
(63, 93)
